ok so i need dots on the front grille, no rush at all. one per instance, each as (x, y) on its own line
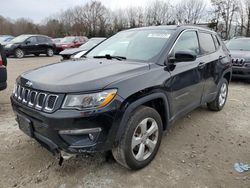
(239, 62)
(35, 99)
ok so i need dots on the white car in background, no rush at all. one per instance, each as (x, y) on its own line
(76, 53)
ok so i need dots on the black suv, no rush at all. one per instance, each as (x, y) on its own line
(3, 71)
(30, 44)
(124, 93)
(240, 51)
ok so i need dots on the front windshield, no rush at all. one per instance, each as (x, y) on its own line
(90, 44)
(20, 38)
(239, 44)
(141, 45)
(68, 39)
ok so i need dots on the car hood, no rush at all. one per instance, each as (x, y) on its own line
(71, 51)
(82, 75)
(240, 54)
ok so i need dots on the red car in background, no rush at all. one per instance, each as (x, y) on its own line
(70, 42)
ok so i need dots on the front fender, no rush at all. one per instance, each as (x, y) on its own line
(132, 106)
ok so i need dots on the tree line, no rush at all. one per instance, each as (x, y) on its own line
(228, 17)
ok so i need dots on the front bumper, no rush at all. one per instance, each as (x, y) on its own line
(241, 72)
(71, 131)
(9, 51)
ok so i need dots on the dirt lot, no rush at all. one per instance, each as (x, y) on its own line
(198, 151)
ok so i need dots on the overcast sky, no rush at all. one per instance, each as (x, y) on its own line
(37, 10)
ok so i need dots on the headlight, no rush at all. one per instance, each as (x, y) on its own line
(94, 100)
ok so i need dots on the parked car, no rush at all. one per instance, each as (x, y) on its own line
(5, 38)
(30, 44)
(125, 92)
(3, 70)
(70, 42)
(70, 53)
(240, 51)
(57, 40)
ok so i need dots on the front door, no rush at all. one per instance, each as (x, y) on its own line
(186, 77)
(31, 45)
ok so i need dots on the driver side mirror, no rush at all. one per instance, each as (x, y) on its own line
(27, 42)
(181, 56)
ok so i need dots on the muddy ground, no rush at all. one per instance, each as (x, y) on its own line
(199, 150)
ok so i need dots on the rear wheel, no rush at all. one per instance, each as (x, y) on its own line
(19, 53)
(221, 98)
(50, 52)
(141, 139)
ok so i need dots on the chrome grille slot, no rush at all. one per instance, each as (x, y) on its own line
(50, 103)
(32, 98)
(40, 100)
(35, 99)
(26, 93)
(20, 94)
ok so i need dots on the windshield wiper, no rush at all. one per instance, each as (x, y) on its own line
(107, 56)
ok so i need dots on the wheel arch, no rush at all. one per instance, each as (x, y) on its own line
(157, 100)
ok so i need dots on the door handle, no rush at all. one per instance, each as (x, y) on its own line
(201, 65)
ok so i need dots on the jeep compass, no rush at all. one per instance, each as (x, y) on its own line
(124, 93)
(240, 51)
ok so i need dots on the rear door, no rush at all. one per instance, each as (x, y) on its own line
(211, 55)
(186, 77)
(42, 44)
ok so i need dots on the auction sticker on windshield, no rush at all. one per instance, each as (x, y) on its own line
(159, 35)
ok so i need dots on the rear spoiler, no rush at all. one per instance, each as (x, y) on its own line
(3, 55)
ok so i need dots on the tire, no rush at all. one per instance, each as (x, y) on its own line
(37, 55)
(19, 53)
(50, 52)
(221, 98)
(130, 156)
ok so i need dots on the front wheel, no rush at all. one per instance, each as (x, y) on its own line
(50, 52)
(141, 139)
(19, 53)
(221, 97)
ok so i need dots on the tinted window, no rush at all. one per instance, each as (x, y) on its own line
(32, 40)
(207, 43)
(42, 39)
(187, 41)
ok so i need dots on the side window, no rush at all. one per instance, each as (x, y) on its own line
(207, 43)
(77, 39)
(42, 39)
(31, 40)
(187, 41)
(216, 42)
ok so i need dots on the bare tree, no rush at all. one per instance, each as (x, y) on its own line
(158, 13)
(227, 10)
(190, 11)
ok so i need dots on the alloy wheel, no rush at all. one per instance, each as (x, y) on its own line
(223, 94)
(144, 139)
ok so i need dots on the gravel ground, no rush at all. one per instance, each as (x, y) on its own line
(199, 150)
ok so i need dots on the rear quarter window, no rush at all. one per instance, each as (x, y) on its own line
(206, 43)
